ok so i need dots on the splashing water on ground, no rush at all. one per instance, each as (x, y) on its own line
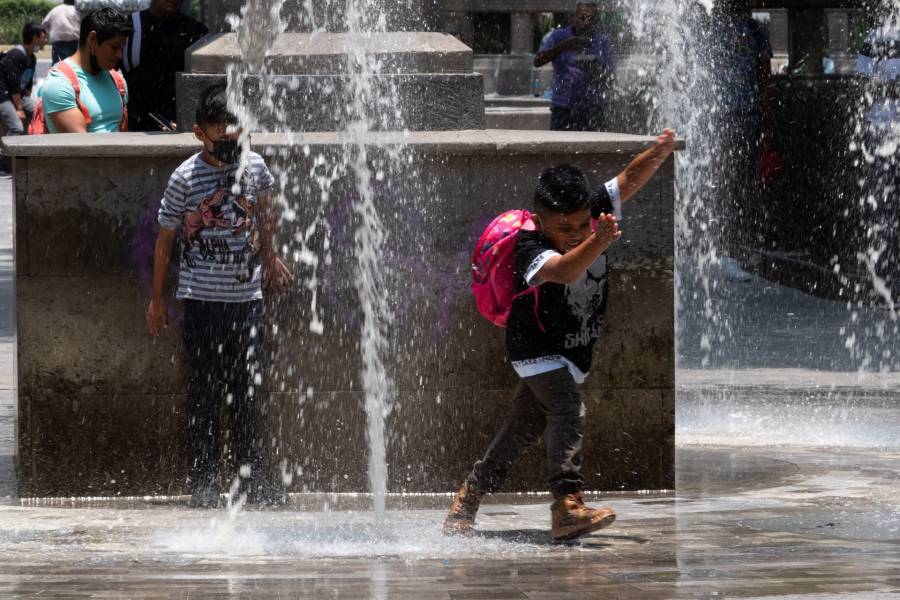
(367, 104)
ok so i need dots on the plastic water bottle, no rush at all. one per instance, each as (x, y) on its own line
(536, 85)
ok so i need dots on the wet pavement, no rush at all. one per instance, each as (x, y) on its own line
(748, 523)
(788, 486)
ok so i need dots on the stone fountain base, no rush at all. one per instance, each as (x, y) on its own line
(101, 405)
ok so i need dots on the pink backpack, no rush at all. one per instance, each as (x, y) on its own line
(493, 276)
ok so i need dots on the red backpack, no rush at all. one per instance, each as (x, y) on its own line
(38, 124)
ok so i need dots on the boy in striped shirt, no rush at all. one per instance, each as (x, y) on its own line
(223, 214)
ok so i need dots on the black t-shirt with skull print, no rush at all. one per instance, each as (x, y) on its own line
(567, 319)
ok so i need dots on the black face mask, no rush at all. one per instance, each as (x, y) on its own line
(227, 151)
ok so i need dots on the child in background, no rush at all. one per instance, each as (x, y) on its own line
(550, 344)
(224, 216)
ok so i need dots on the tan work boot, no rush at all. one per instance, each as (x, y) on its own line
(461, 518)
(572, 519)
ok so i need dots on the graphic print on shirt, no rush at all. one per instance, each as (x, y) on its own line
(223, 210)
(586, 299)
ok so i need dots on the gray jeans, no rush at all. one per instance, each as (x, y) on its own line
(10, 123)
(547, 403)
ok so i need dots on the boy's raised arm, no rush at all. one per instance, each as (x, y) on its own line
(641, 170)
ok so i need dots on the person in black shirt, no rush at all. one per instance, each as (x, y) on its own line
(153, 55)
(550, 337)
(17, 68)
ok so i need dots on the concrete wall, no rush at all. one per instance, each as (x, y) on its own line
(101, 405)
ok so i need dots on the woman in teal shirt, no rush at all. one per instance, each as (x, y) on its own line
(102, 39)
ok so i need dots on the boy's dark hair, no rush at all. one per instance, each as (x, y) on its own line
(107, 22)
(563, 189)
(212, 108)
(31, 31)
(69, 2)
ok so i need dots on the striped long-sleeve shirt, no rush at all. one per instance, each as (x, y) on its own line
(216, 220)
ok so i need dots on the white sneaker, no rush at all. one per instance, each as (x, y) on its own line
(733, 271)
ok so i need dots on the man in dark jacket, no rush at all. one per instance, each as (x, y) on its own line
(153, 55)
(17, 69)
(742, 87)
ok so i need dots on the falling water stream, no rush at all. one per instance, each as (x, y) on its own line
(366, 105)
(362, 21)
(683, 87)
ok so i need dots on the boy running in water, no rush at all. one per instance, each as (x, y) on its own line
(551, 345)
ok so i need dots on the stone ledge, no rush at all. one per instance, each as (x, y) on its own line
(506, 117)
(469, 142)
(327, 53)
(497, 101)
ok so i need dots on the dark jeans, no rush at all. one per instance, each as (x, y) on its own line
(576, 118)
(224, 342)
(62, 50)
(739, 208)
(547, 403)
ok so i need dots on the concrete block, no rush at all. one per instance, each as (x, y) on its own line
(87, 335)
(326, 54)
(87, 445)
(627, 459)
(100, 401)
(122, 214)
(432, 102)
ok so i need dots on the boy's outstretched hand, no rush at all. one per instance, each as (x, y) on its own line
(641, 170)
(665, 144)
(607, 229)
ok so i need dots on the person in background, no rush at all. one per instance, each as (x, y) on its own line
(743, 91)
(879, 65)
(63, 24)
(17, 68)
(153, 55)
(582, 58)
(99, 104)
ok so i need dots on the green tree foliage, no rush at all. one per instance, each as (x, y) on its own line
(15, 13)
